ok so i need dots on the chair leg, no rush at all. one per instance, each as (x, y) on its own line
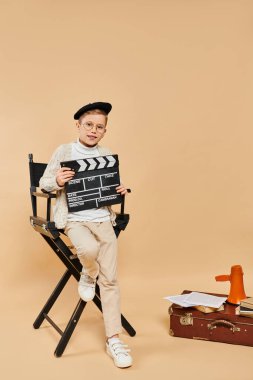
(69, 329)
(129, 328)
(51, 300)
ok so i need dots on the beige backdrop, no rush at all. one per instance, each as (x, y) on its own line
(179, 76)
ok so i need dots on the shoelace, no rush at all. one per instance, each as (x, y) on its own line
(120, 348)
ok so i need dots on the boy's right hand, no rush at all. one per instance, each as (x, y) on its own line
(64, 175)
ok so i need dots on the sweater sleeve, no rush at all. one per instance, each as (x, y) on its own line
(48, 180)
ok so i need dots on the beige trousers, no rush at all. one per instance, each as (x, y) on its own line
(96, 246)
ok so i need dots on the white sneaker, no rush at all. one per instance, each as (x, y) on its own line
(118, 351)
(86, 287)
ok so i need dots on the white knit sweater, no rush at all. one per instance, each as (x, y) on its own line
(48, 183)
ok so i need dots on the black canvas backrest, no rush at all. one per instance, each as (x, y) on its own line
(36, 171)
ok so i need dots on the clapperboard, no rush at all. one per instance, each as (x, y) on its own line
(94, 183)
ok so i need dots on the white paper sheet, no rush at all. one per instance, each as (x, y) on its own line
(203, 299)
(179, 300)
(196, 299)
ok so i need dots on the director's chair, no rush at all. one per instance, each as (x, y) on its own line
(53, 237)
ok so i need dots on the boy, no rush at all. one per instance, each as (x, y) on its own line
(91, 231)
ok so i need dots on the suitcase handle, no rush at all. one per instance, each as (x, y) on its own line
(223, 323)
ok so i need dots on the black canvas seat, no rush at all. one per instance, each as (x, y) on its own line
(73, 267)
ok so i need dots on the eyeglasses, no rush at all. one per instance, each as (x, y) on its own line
(89, 126)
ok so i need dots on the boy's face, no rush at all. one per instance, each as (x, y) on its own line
(92, 129)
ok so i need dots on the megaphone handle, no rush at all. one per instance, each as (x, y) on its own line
(223, 277)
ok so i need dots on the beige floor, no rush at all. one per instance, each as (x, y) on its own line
(28, 353)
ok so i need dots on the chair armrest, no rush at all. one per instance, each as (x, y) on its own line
(44, 226)
(43, 195)
(121, 223)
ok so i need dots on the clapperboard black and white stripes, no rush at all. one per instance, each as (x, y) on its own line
(94, 183)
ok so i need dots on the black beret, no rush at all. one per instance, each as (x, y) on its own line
(106, 107)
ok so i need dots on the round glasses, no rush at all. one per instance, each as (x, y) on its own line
(89, 126)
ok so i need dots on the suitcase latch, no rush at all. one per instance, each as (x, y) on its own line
(186, 320)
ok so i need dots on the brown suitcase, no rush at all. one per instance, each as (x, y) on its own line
(223, 326)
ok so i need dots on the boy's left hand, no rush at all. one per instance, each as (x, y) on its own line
(121, 189)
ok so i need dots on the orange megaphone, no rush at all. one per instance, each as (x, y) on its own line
(237, 292)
